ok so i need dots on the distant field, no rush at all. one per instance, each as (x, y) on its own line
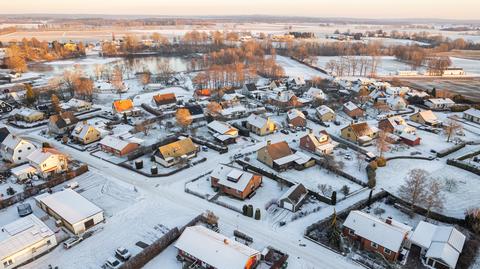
(468, 87)
(466, 54)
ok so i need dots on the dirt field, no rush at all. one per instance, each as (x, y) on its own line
(468, 87)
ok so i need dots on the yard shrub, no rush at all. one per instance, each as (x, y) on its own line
(334, 198)
(245, 210)
(257, 214)
(250, 211)
(381, 162)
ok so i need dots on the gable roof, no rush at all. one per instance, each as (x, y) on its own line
(220, 126)
(123, 105)
(203, 92)
(165, 99)
(81, 129)
(278, 150)
(295, 194)
(361, 129)
(4, 132)
(257, 121)
(225, 174)
(114, 142)
(177, 148)
(63, 119)
(251, 87)
(350, 106)
(215, 249)
(40, 155)
(323, 109)
(294, 113)
(376, 230)
(428, 115)
(472, 112)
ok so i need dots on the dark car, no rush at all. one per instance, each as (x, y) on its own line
(24, 210)
(284, 131)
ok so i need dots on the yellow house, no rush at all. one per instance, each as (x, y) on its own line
(70, 46)
(360, 133)
(28, 115)
(260, 126)
(425, 117)
(325, 114)
(85, 133)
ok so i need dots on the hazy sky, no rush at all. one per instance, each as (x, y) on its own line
(449, 9)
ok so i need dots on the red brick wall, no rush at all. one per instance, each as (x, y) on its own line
(367, 245)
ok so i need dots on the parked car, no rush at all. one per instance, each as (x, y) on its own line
(284, 132)
(72, 242)
(71, 185)
(24, 210)
(123, 253)
(204, 148)
(113, 263)
(337, 123)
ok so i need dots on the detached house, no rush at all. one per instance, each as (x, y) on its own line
(293, 198)
(125, 106)
(296, 118)
(117, 146)
(208, 249)
(223, 131)
(76, 105)
(472, 115)
(173, 153)
(439, 103)
(15, 150)
(352, 110)
(235, 182)
(397, 126)
(314, 94)
(28, 115)
(202, 94)
(426, 117)
(386, 238)
(285, 99)
(279, 156)
(440, 246)
(260, 126)
(165, 100)
(320, 145)
(61, 123)
(325, 114)
(248, 89)
(396, 103)
(48, 162)
(85, 133)
(360, 133)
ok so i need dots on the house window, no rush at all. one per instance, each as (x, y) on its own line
(29, 148)
(7, 263)
(351, 232)
(19, 158)
(48, 242)
(374, 245)
(44, 165)
(19, 151)
(387, 251)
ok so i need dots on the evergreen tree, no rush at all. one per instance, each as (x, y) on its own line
(334, 231)
(257, 214)
(30, 97)
(334, 198)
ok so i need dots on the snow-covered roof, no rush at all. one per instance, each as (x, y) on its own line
(323, 109)
(25, 112)
(315, 93)
(11, 141)
(40, 155)
(220, 126)
(350, 106)
(227, 175)
(441, 101)
(376, 230)
(214, 248)
(294, 113)
(22, 233)
(233, 109)
(472, 112)
(74, 103)
(257, 121)
(70, 205)
(114, 142)
(23, 169)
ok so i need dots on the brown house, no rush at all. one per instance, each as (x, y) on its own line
(352, 110)
(272, 152)
(235, 182)
(61, 123)
(173, 153)
(296, 118)
(360, 133)
(320, 145)
(166, 99)
(386, 238)
(117, 146)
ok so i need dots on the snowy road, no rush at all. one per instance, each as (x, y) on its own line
(169, 190)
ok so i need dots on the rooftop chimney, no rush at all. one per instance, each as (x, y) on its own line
(388, 220)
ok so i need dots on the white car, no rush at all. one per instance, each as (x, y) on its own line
(113, 263)
(72, 242)
(123, 253)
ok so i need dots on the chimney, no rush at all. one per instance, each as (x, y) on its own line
(225, 241)
(388, 220)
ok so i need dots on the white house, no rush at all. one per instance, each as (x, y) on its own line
(439, 103)
(76, 105)
(210, 249)
(454, 71)
(15, 149)
(440, 245)
(223, 131)
(24, 240)
(314, 94)
(48, 161)
(396, 103)
(75, 212)
(472, 115)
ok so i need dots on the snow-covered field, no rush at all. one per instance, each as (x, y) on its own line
(295, 69)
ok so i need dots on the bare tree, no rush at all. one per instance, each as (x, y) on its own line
(381, 143)
(325, 189)
(414, 188)
(360, 159)
(434, 197)
(451, 127)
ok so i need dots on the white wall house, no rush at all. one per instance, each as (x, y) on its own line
(48, 161)
(472, 115)
(75, 212)
(16, 150)
(23, 240)
(439, 103)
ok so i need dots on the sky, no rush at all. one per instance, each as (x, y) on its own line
(443, 9)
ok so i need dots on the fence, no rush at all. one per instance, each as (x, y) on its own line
(463, 165)
(34, 190)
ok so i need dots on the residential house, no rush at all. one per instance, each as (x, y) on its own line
(248, 88)
(321, 145)
(440, 246)
(175, 152)
(279, 156)
(260, 125)
(15, 150)
(314, 94)
(234, 181)
(62, 123)
(165, 100)
(48, 162)
(196, 112)
(325, 114)
(234, 112)
(472, 115)
(71, 209)
(360, 133)
(352, 110)
(85, 133)
(4, 132)
(296, 118)
(24, 240)
(125, 106)
(208, 249)
(223, 131)
(202, 94)
(293, 198)
(396, 103)
(439, 103)
(28, 115)
(5, 107)
(296, 82)
(76, 105)
(397, 126)
(285, 99)
(386, 238)
(426, 117)
(117, 146)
